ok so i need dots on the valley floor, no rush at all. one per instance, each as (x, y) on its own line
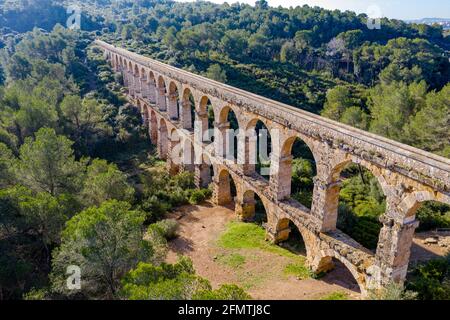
(261, 272)
(267, 272)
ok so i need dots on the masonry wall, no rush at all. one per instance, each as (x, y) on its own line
(408, 176)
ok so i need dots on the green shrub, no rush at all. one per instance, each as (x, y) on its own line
(155, 209)
(431, 280)
(164, 282)
(393, 291)
(225, 292)
(174, 282)
(199, 196)
(433, 215)
(184, 180)
(165, 228)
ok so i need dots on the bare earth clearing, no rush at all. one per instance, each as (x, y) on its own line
(260, 272)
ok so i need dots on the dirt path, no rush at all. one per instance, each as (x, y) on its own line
(261, 275)
(421, 251)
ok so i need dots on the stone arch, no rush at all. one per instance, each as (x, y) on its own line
(118, 65)
(282, 175)
(161, 94)
(413, 201)
(143, 83)
(153, 127)
(339, 166)
(151, 81)
(288, 144)
(224, 192)
(204, 120)
(173, 98)
(130, 79)
(145, 114)
(204, 172)
(175, 153)
(257, 159)
(332, 190)
(227, 130)
(139, 106)
(203, 104)
(143, 74)
(284, 231)
(163, 139)
(188, 155)
(252, 206)
(187, 109)
(137, 80)
(223, 113)
(324, 263)
(126, 74)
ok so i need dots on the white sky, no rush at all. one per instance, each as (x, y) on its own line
(398, 9)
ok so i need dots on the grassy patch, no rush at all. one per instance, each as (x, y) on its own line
(297, 269)
(243, 236)
(233, 260)
(336, 296)
(240, 235)
(242, 240)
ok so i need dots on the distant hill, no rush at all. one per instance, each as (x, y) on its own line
(444, 22)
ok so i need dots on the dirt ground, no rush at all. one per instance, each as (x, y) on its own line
(421, 251)
(261, 275)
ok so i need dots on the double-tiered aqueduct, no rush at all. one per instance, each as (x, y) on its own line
(408, 176)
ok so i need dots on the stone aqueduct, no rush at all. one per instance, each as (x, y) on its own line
(408, 176)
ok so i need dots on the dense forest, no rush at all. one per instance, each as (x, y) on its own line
(79, 184)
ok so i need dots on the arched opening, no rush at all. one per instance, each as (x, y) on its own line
(205, 120)
(124, 67)
(152, 88)
(334, 271)
(176, 154)
(290, 237)
(228, 131)
(173, 101)
(252, 208)
(139, 106)
(297, 161)
(434, 226)
(206, 172)
(118, 65)
(137, 80)
(226, 188)
(187, 112)
(260, 211)
(188, 155)
(144, 84)
(361, 202)
(145, 115)
(153, 129)
(258, 148)
(130, 79)
(161, 101)
(163, 140)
